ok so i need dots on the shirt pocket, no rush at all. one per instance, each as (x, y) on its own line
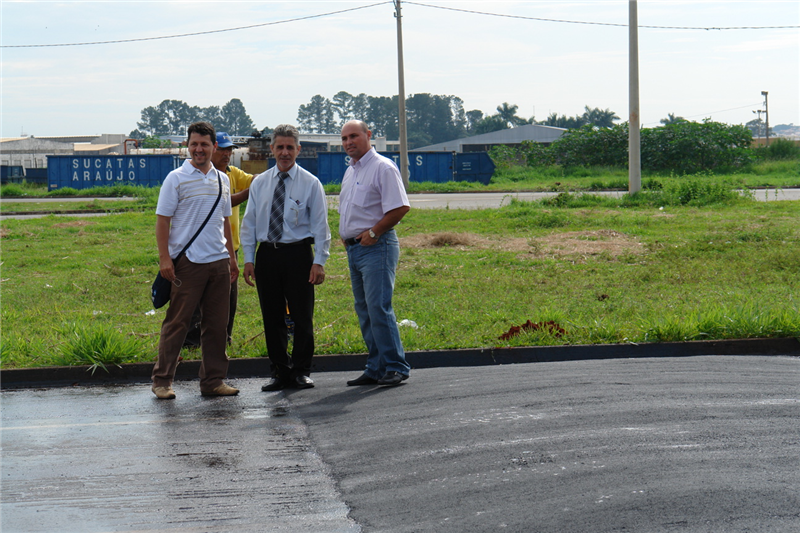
(297, 213)
(361, 196)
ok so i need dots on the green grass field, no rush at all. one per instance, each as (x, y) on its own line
(682, 263)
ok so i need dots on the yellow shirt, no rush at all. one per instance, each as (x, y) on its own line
(240, 180)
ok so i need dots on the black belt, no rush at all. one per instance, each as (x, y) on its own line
(276, 245)
(352, 241)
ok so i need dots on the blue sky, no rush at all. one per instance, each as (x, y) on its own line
(542, 66)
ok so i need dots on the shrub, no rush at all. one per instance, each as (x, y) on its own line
(66, 191)
(505, 157)
(782, 149)
(11, 190)
(689, 147)
(97, 346)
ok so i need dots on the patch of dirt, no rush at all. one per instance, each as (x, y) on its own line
(74, 224)
(581, 243)
(463, 241)
(4, 233)
(551, 327)
(597, 242)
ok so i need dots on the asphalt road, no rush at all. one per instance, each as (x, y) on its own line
(479, 200)
(691, 444)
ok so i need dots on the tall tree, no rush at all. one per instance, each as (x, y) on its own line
(563, 121)
(672, 119)
(344, 105)
(490, 124)
(382, 116)
(361, 107)
(508, 113)
(473, 117)
(434, 118)
(601, 118)
(757, 128)
(176, 116)
(210, 114)
(234, 119)
(152, 123)
(459, 121)
(317, 116)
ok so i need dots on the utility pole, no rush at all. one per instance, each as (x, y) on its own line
(401, 97)
(634, 135)
(766, 113)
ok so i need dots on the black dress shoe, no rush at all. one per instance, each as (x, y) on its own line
(303, 382)
(392, 378)
(363, 379)
(274, 384)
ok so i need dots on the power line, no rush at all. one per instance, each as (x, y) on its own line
(521, 17)
(601, 23)
(196, 33)
(715, 112)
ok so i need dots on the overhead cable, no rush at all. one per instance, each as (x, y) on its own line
(602, 23)
(196, 33)
(286, 21)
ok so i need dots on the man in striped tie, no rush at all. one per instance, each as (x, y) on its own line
(285, 215)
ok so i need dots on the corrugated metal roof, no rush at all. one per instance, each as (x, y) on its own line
(94, 147)
(528, 132)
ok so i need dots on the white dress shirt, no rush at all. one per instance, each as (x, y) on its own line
(305, 213)
(371, 187)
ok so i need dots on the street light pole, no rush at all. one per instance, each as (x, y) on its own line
(758, 127)
(766, 113)
(401, 97)
(634, 136)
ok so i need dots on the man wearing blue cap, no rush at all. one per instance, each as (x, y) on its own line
(240, 191)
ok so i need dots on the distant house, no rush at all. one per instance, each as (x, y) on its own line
(32, 152)
(509, 137)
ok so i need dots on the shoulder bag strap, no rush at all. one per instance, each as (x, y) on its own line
(203, 225)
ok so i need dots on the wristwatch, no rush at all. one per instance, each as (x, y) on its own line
(372, 234)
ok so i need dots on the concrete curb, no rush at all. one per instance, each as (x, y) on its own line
(65, 376)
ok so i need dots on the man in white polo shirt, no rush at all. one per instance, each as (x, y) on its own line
(372, 201)
(203, 276)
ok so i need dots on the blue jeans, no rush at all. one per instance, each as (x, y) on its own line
(372, 273)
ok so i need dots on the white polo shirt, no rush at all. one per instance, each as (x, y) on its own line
(371, 187)
(187, 196)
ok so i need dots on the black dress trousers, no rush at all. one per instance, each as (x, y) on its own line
(282, 278)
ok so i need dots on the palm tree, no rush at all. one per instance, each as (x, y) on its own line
(508, 114)
(601, 118)
(672, 119)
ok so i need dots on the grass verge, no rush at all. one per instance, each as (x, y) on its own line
(659, 266)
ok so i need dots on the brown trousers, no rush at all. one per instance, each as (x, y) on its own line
(207, 286)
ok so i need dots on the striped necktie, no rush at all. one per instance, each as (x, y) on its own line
(276, 214)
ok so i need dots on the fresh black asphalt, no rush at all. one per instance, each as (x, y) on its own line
(685, 437)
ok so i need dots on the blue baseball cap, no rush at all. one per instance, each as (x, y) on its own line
(224, 140)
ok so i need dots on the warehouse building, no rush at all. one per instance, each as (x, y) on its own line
(508, 137)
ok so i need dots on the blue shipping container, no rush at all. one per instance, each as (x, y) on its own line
(474, 166)
(85, 172)
(11, 174)
(36, 175)
(435, 167)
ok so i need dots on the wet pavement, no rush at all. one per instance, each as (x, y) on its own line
(92, 459)
(705, 443)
